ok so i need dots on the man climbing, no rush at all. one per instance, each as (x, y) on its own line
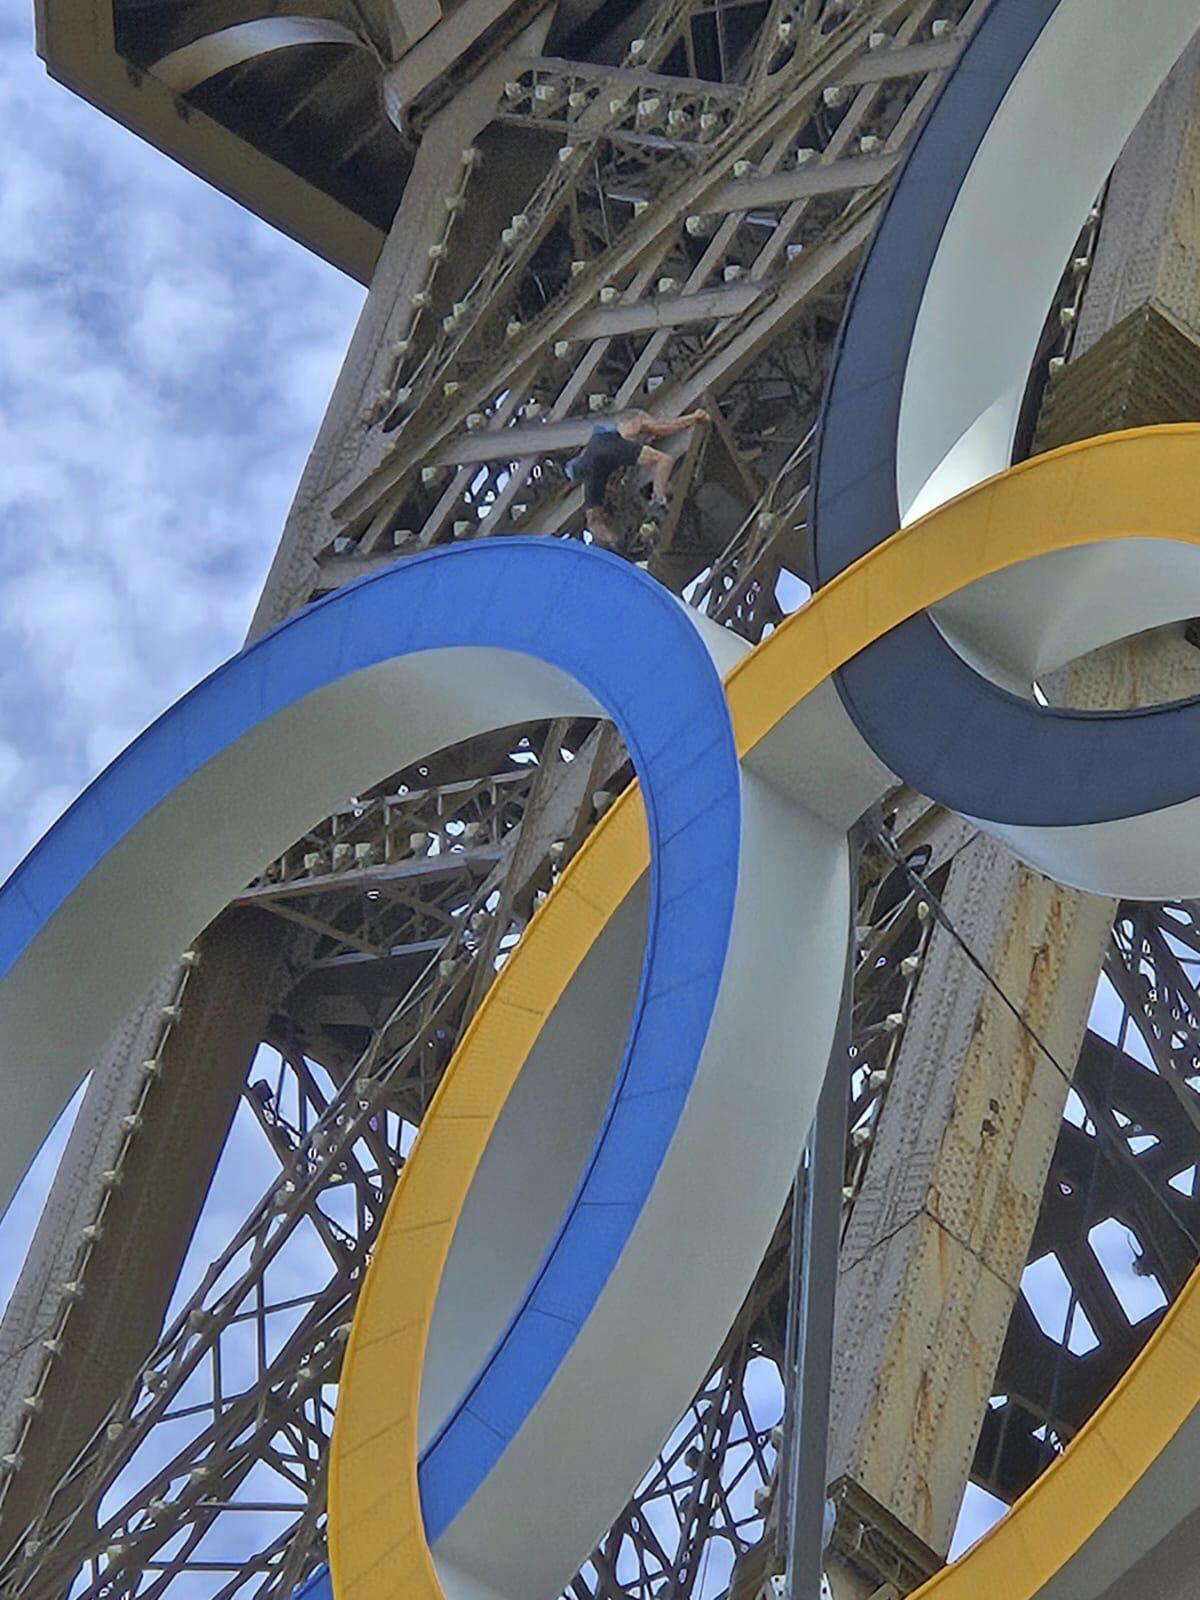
(615, 445)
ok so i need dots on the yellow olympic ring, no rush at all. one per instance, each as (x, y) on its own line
(1140, 485)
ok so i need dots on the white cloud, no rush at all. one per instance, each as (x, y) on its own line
(165, 358)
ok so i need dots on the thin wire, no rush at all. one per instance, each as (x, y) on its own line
(1103, 1127)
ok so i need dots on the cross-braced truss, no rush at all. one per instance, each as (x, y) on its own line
(694, 217)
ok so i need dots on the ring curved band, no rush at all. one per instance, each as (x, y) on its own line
(183, 69)
(425, 654)
(923, 400)
(1137, 487)
(334, 700)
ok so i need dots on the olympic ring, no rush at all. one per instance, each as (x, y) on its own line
(446, 630)
(1138, 485)
(923, 401)
(546, 1224)
(332, 681)
(335, 669)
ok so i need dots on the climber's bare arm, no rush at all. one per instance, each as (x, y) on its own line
(640, 425)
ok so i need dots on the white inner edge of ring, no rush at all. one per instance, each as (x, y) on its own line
(1079, 94)
(533, 1162)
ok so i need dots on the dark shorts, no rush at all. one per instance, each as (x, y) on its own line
(606, 452)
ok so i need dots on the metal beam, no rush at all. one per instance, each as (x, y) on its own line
(433, 55)
(149, 1206)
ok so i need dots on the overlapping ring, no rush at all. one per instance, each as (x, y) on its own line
(558, 1230)
(358, 686)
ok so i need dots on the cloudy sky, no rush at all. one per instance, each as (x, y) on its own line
(165, 359)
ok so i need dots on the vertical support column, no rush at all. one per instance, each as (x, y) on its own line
(154, 1200)
(816, 1224)
(931, 1263)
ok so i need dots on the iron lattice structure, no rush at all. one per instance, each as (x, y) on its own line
(693, 221)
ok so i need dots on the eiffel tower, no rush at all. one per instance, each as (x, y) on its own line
(563, 212)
